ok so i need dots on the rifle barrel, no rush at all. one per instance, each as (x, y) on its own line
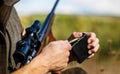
(47, 23)
(55, 6)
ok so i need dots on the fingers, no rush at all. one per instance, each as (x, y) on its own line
(77, 34)
(23, 32)
(65, 44)
(92, 51)
(92, 37)
(95, 49)
(91, 55)
(94, 43)
(68, 45)
(57, 53)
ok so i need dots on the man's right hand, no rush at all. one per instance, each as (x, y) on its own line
(54, 57)
(56, 54)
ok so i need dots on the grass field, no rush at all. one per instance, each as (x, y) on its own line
(107, 29)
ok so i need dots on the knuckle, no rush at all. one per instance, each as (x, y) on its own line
(97, 40)
(65, 65)
(93, 34)
(68, 53)
(98, 45)
(67, 59)
(94, 51)
(74, 33)
(52, 43)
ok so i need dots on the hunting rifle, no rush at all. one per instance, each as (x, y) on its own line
(28, 47)
(33, 41)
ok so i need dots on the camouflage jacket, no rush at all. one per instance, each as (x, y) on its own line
(10, 33)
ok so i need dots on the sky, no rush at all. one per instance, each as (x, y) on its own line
(89, 7)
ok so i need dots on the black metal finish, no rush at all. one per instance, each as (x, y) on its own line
(1, 2)
(79, 48)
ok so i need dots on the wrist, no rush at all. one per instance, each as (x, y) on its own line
(39, 65)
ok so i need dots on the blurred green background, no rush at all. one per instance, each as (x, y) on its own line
(99, 16)
(107, 29)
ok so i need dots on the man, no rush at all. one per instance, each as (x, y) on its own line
(54, 57)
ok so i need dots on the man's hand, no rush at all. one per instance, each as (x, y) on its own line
(93, 44)
(57, 54)
(93, 41)
(54, 57)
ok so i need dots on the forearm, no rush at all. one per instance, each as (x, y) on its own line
(36, 66)
(29, 70)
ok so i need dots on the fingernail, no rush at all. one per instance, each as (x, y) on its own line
(89, 47)
(88, 41)
(90, 52)
(79, 34)
(66, 41)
